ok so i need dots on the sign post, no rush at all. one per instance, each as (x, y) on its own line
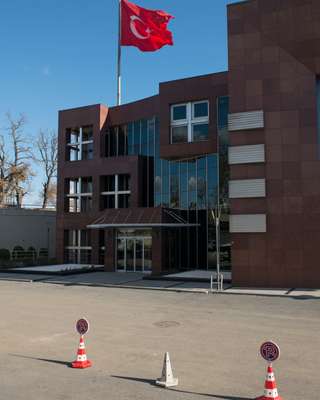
(270, 352)
(82, 327)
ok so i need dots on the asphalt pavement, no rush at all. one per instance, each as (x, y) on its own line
(213, 342)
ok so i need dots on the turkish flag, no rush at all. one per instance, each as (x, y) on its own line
(143, 28)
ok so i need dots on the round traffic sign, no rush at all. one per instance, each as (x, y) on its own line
(82, 326)
(270, 351)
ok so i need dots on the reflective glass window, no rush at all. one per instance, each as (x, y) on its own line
(108, 201)
(136, 138)
(123, 182)
(86, 203)
(122, 141)
(200, 132)
(73, 204)
(174, 184)
(130, 138)
(223, 110)
(179, 134)
(179, 112)
(74, 136)
(85, 237)
(108, 183)
(123, 200)
(87, 133)
(200, 109)
(86, 185)
(87, 151)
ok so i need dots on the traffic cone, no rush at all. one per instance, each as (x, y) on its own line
(167, 379)
(81, 361)
(270, 387)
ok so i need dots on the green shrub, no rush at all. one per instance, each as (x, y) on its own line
(5, 254)
(18, 253)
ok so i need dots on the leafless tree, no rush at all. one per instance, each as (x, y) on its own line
(3, 172)
(15, 165)
(19, 165)
(47, 157)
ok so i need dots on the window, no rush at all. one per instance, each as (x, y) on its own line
(79, 195)
(80, 143)
(116, 142)
(78, 246)
(115, 191)
(190, 122)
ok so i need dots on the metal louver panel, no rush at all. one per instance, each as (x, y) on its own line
(246, 120)
(248, 223)
(247, 154)
(246, 188)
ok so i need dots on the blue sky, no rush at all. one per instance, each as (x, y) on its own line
(58, 54)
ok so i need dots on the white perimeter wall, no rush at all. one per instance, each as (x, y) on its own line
(26, 228)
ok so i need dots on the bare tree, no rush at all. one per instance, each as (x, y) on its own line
(15, 170)
(3, 172)
(52, 194)
(47, 157)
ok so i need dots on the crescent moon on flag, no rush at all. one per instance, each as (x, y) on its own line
(133, 28)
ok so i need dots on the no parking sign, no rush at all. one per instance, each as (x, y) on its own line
(82, 326)
(270, 351)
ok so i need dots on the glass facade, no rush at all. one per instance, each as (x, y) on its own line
(225, 238)
(190, 187)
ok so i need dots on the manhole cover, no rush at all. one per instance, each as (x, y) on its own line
(166, 324)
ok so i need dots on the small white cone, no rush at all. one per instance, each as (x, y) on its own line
(167, 379)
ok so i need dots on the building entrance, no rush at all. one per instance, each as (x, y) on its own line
(134, 251)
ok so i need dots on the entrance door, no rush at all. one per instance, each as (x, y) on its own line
(130, 255)
(139, 254)
(147, 252)
(121, 254)
(134, 254)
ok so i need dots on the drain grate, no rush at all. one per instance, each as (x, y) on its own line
(166, 324)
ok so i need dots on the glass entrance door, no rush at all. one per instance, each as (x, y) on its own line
(130, 255)
(139, 255)
(134, 253)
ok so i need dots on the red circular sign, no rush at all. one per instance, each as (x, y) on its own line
(82, 326)
(270, 351)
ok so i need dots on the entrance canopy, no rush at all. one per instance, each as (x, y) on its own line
(140, 218)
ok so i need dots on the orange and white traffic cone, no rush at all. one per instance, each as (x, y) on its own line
(270, 387)
(81, 361)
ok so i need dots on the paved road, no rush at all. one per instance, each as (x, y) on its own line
(213, 341)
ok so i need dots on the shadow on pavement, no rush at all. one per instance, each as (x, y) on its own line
(152, 382)
(131, 378)
(214, 396)
(66, 363)
(304, 297)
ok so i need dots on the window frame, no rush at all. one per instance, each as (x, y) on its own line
(190, 121)
(78, 194)
(79, 144)
(116, 192)
(76, 239)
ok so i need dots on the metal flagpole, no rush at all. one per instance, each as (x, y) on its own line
(119, 60)
(218, 211)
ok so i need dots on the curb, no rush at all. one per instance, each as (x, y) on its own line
(106, 285)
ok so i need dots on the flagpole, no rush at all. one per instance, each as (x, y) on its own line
(119, 60)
